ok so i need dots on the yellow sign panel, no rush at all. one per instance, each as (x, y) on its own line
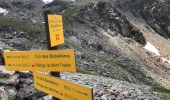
(52, 60)
(61, 89)
(56, 30)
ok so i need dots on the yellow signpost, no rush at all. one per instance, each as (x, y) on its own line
(61, 89)
(55, 25)
(54, 60)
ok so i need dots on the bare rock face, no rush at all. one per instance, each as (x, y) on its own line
(24, 9)
(109, 43)
(104, 15)
(155, 12)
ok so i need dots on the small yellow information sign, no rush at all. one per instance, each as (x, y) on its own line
(52, 60)
(61, 89)
(56, 30)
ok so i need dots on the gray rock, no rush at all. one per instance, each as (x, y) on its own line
(27, 92)
(7, 93)
(12, 80)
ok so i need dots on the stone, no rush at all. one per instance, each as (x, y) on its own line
(12, 80)
(48, 97)
(126, 93)
(5, 73)
(100, 93)
(7, 93)
(3, 95)
(104, 97)
(27, 92)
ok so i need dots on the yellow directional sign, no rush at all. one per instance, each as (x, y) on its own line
(52, 60)
(55, 30)
(61, 89)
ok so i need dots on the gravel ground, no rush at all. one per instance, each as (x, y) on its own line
(103, 88)
(110, 89)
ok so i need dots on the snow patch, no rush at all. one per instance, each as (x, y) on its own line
(47, 1)
(165, 60)
(3, 11)
(150, 47)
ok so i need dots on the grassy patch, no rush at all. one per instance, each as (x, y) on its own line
(84, 71)
(52, 8)
(109, 62)
(85, 2)
(160, 89)
(32, 29)
(67, 16)
(164, 93)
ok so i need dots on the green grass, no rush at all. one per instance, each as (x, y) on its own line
(52, 7)
(19, 25)
(160, 89)
(84, 71)
(67, 16)
(109, 62)
(164, 93)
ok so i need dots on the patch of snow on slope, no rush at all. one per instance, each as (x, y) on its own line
(169, 61)
(3, 11)
(47, 1)
(150, 47)
(165, 60)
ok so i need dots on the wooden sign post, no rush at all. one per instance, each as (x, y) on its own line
(64, 90)
(46, 13)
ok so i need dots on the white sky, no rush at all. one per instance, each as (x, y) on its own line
(47, 1)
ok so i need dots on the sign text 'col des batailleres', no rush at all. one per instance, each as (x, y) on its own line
(54, 60)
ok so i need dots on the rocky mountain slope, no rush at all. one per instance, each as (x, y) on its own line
(154, 12)
(25, 9)
(109, 41)
(109, 37)
(21, 28)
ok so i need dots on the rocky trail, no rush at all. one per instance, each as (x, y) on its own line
(20, 86)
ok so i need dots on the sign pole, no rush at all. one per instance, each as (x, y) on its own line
(56, 74)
